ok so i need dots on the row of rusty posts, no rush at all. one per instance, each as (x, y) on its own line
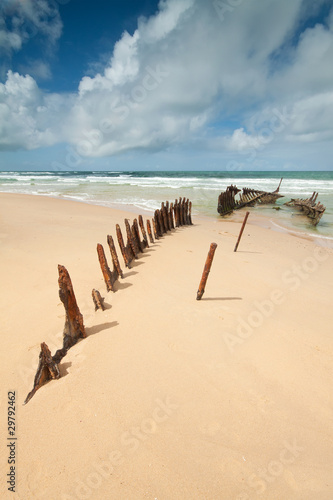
(168, 217)
(173, 215)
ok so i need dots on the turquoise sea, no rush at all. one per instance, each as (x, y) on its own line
(144, 191)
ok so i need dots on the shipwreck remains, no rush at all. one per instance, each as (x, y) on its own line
(227, 201)
(309, 206)
(165, 219)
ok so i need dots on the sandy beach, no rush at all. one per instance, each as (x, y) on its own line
(168, 397)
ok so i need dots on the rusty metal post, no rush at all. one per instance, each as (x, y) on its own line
(241, 231)
(116, 265)
(155, 229)
(206, 270)
(160, 222)
(150, 234)
(177, 216)
(156, 225)
(130, 243)
(171, 219)
(136, 236)
(104, 267)
(186, 211)
(143, 230)
(189, 213)
(74, 326)
(123, 249)
(165, 217)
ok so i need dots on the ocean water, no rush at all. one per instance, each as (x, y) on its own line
(145, 191)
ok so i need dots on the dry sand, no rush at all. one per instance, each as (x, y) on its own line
(167, 398)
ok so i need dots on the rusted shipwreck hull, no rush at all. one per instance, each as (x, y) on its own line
(227, 201)
(309, 206)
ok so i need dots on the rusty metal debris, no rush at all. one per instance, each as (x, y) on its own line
(155, 229)
(150, 234)
(47, 369)
(309, 206)
(227, 201)
(143, 230)
(130, 243)
(208, 265)
(98, 300)
(73, 331)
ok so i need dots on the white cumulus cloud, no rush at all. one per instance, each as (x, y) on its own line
(187, 74)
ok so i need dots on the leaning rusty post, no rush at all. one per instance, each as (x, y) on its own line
(171, 219)
(150, 234)
(98, 300)
(136, 235)
(155, 229)
(74, 326)
(184, 212)
(135, 240)
(143, 230)
(176, 210)
(156, 225)
(116, 265)
(160, 222)
(47, 369)
(206, 270)
(130, 243)
(105, 268)
(241, 231)
(123, 249)
(165, 217)
(168, 215)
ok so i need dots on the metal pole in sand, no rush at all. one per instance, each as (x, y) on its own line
(206, 270)
(241, 231)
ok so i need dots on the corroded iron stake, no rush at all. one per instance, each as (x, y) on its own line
(143, 230)
(130, 242)
(177, 215)
(74, 327)
(189, 213)
(241, 231)
(105, 268)
(116, 265)
(206, 270)
(136, 237)
(123, 249)
(150, 234)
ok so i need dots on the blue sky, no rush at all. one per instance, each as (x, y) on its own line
(172, 84)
